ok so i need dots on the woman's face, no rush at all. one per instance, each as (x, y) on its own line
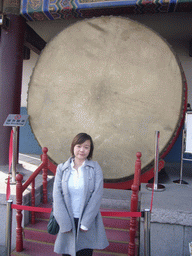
(81, 151)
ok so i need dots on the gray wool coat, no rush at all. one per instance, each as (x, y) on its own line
(67, 242)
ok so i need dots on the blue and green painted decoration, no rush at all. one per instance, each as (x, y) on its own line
(40, 10)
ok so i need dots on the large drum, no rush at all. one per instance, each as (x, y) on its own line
(114, 79)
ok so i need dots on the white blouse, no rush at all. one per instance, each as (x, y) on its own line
(76, 190)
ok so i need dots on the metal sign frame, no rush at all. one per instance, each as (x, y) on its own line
(15, 120)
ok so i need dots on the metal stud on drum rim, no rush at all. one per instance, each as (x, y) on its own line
(115, 79)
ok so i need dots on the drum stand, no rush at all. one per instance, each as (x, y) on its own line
(150, 186)
(181, 181)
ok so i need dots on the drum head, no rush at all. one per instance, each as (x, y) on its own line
(114, 79)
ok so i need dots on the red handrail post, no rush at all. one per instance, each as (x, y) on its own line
(19, 229)
(45, 169)
(134, 204)
(33, 201)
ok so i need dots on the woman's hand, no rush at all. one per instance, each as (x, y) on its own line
(68, 231)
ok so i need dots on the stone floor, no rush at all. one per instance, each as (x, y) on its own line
(171, 216)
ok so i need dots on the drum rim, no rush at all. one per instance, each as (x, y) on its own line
(179, 123)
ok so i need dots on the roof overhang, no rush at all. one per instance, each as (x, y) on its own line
(34, 10)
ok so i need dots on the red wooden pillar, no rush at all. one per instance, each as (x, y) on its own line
(33, 201)
(45, 169)
(11, 64)
(19, 216)
(134, 205)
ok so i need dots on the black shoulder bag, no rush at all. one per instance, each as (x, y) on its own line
(53, 226)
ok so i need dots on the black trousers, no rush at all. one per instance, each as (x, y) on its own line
(84, 252)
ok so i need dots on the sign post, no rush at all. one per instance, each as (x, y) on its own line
(15, 120)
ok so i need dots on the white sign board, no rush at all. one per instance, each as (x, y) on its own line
(16, 120)
(188, 128)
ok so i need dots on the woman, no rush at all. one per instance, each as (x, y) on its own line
(77, 194)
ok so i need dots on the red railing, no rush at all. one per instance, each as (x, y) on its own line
(20, 188)
(134, 204)
(46, 164)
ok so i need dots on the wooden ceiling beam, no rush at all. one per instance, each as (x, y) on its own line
(33, 41)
